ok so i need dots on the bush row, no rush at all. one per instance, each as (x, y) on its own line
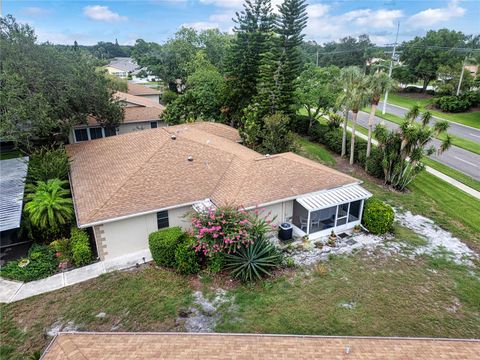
(460, 103)
(331, 137)
(173, 248)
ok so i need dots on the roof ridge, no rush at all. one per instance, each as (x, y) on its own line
(128, 177)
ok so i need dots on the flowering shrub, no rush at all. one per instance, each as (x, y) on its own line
(227, 229)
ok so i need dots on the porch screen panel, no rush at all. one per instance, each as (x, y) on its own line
(354, 214)
(300, 216)
(322, 219)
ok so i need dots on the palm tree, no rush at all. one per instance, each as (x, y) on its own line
(354, 97)
(347, 74)
(49, 204)
(379, 83)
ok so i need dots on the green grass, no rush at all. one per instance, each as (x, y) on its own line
(393, 296)
(314, 151)
(143, 300)
(457, 175)
(466, 144)
(4, 155)
(468, 118)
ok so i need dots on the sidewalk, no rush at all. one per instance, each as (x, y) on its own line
(440, 175)
(11, 291)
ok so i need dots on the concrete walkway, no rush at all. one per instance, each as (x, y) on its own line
(11, 291)
(446, 178)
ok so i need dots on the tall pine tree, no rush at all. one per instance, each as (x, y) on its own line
(254, 26)
(289, 25)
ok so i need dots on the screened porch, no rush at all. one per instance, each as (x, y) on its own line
(338, 209)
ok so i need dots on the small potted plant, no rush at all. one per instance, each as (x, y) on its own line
(357, 229)
(332, 238)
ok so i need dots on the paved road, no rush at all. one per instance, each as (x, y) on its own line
(455, 157)
(459, 130)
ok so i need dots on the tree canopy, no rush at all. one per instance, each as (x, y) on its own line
(46, 90)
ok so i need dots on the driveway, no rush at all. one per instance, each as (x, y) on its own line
(455, 157)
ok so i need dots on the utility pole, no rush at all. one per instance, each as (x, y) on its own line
(317, 57)
(384, 108)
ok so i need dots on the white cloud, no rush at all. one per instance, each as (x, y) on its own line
(379, 18)
(201, 25)
(35, 10)
(431, 17)
(230, 4)
(317, 10)
(102, 13)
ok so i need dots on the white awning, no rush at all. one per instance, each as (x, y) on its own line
(203, 205)
(328, 198)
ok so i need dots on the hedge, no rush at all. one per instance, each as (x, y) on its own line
(332, 139)
(80, 247)
(186, 259)
(377, 216)
(42, 263)
(163, 244)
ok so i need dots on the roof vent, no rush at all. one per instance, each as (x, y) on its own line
(267, 155)
(173, 137)
(190, 158)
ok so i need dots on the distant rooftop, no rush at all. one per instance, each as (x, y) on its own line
(124, 63)
(12, 185)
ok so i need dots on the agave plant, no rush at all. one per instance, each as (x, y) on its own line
(253, 261)
(49, 204)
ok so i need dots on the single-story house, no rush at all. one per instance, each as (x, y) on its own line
(126, 187)
(122, 67)
(144, 92)
(12, 186)
(140, 114)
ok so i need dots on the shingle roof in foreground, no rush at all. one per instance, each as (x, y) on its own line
(171, 346)
(146, 171)
(12, 185)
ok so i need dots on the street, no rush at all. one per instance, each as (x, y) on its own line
(455, 157)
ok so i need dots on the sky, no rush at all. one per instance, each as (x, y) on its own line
(87, 22)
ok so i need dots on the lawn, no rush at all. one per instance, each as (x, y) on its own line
(466, 144)
(457, 175)
(314, 151)
(468, 118)
(146, 300)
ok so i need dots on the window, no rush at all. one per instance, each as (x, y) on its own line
(81, 135)
(162, 219)
(95, 133)
(110, 131)
(354, 214)
(153, 124)
(342, 214)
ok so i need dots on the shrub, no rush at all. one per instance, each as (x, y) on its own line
(215, 262)
(454, 103)
(300, 124)
(80, 247)
(47, 163)
(163, 244)
(62, 249)
(42, 263)
(168, 97)
(253, 261)
(224, 229)
(377, 216)
(186, 258)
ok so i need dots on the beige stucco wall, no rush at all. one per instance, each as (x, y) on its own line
(130, 235)
(152, 97)
(281, 211)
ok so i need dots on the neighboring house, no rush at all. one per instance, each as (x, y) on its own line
(472, 69)
(122, 67)
(140, 113)
(12, 185)
(144, 91)
(128, 186)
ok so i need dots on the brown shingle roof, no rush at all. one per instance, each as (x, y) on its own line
(147, 171)
(171, 346)
(137, 100)
(135, 89)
